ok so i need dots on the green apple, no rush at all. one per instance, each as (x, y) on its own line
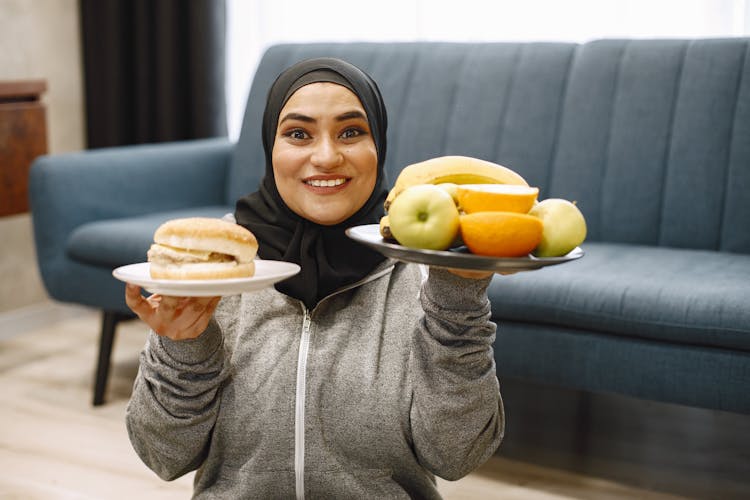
(564, 227)
(424, 216)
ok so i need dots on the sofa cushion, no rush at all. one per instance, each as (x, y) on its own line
(674, 295)
(117, 242)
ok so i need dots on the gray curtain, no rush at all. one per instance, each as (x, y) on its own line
(153, 70)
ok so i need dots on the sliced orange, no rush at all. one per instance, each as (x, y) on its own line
(496, 198)
(500, 234)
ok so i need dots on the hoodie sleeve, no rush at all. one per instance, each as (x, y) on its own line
(457, 415)
(175, 401)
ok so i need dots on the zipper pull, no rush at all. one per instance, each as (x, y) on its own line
(306, 321)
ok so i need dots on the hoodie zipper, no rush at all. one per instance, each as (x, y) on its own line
(299, 403)
(299, 414)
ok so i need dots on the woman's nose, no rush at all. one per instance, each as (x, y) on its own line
(326, 154)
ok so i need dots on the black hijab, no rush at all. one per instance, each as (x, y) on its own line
(328, 258)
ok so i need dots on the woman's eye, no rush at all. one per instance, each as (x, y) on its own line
(351, 133)
(297, 134)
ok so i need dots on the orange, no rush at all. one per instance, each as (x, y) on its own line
(495, 198)
(500, 234)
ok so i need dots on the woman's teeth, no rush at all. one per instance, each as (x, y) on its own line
(326, 183)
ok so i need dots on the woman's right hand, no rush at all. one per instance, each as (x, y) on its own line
(178, 318)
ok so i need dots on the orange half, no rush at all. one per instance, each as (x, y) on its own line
(495, 198)
(500, 234)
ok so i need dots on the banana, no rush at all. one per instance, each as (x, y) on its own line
(385, 228)
(453, 169)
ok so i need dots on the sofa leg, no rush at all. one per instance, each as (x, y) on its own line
(106, 342)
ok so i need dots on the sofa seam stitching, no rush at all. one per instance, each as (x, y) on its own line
(552, 160)
(503, 122)
(453, 99)
(408, 88)
(670, 137)
(607, 148)
(738, 88)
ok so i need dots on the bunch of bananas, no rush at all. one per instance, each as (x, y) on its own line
(448, 170)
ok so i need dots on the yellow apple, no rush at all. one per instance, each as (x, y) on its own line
(424, 216)
(451, 189)
(564, 227)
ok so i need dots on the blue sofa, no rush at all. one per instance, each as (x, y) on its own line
(650, 137)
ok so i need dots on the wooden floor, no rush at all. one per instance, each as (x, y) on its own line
(55, 445)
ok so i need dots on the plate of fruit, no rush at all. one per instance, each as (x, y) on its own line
(466, 213)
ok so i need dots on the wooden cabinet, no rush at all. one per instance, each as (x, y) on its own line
(23, 137)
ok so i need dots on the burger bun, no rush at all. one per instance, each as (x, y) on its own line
(201, 248)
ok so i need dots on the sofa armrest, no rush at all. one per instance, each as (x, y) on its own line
(67, 190)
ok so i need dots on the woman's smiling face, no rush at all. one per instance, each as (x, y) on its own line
(324, 156)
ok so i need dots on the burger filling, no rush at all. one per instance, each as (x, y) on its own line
(164, 254)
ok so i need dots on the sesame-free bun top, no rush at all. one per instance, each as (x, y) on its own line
(213, 235)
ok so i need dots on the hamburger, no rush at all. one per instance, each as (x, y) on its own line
(202, 248)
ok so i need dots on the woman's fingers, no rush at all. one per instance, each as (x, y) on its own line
(135, 300)
(182, 318)
(191, 316)
(471, 274)
(200, 315)
(170, 308)
(478, 274)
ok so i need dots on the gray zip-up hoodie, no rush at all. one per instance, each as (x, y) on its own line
(368, 395)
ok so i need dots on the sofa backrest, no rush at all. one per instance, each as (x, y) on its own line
(650, 137)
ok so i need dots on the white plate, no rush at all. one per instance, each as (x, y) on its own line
(267, 273)
(457, 258)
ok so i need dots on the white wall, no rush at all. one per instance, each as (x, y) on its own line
(39, 39)
(255, 24)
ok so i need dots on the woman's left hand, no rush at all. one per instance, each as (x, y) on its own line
(477, 275)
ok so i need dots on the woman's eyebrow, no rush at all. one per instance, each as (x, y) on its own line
(351, 115)
(297, 116)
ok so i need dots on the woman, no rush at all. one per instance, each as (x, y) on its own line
(357, 378)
